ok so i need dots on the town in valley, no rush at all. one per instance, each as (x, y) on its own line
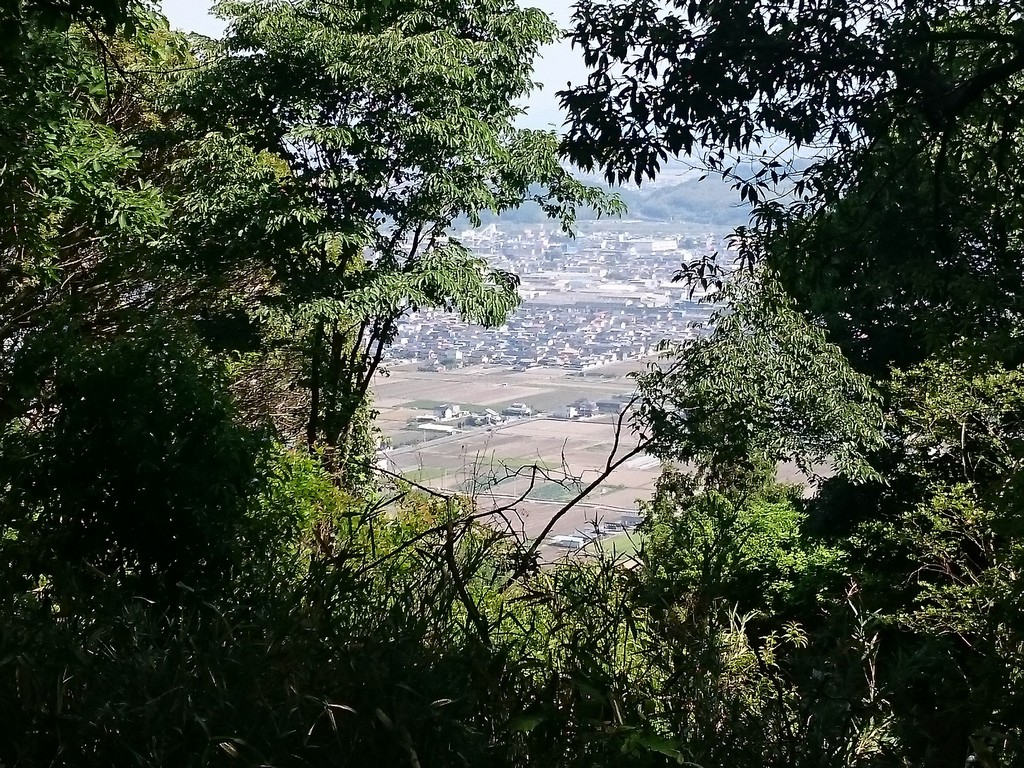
(525, 415)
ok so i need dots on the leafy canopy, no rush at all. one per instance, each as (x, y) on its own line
(874, 140)
(392, 122)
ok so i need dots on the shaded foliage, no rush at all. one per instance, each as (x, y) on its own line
(872, 139)
(763, 383)
(205, 246)
(140, 474)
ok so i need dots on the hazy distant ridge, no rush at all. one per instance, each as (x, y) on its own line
(711, 201)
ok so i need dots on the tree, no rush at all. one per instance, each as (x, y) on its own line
(20, 20)
(878, 144)
(763, 385)
(77, 214)
(138, 473)
(121, 452)
(935, 550)
(393, 122)
(720, 77)
(874, 140)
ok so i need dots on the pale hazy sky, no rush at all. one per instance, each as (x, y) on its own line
(558, 64)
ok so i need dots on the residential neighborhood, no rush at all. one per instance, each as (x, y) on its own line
(598, 299)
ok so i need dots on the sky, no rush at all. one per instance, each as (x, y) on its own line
(557, 65)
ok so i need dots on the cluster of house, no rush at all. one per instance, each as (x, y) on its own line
(449, 418)
(529, 250)
(575, 337)
(597, 266)
(588, 302)
(584, 408)
(596, 531)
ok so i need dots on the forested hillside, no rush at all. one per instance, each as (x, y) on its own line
(206, 247)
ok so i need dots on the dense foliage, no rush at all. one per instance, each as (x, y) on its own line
(205, 247)
(873, 325)
(876, 141)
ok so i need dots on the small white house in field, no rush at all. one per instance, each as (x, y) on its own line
(443, 429)
(447, 411)
(565, 412)
(568, 542)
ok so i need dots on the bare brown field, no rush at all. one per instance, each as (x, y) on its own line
(497, 387)
(531, 467)
(526, 468)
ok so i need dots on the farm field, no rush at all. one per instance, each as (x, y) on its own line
(544, 461)
(498, 385)
(408, 393)
(527, 468)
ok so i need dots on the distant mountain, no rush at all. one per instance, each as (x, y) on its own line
(681, 198)
(707, 201)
